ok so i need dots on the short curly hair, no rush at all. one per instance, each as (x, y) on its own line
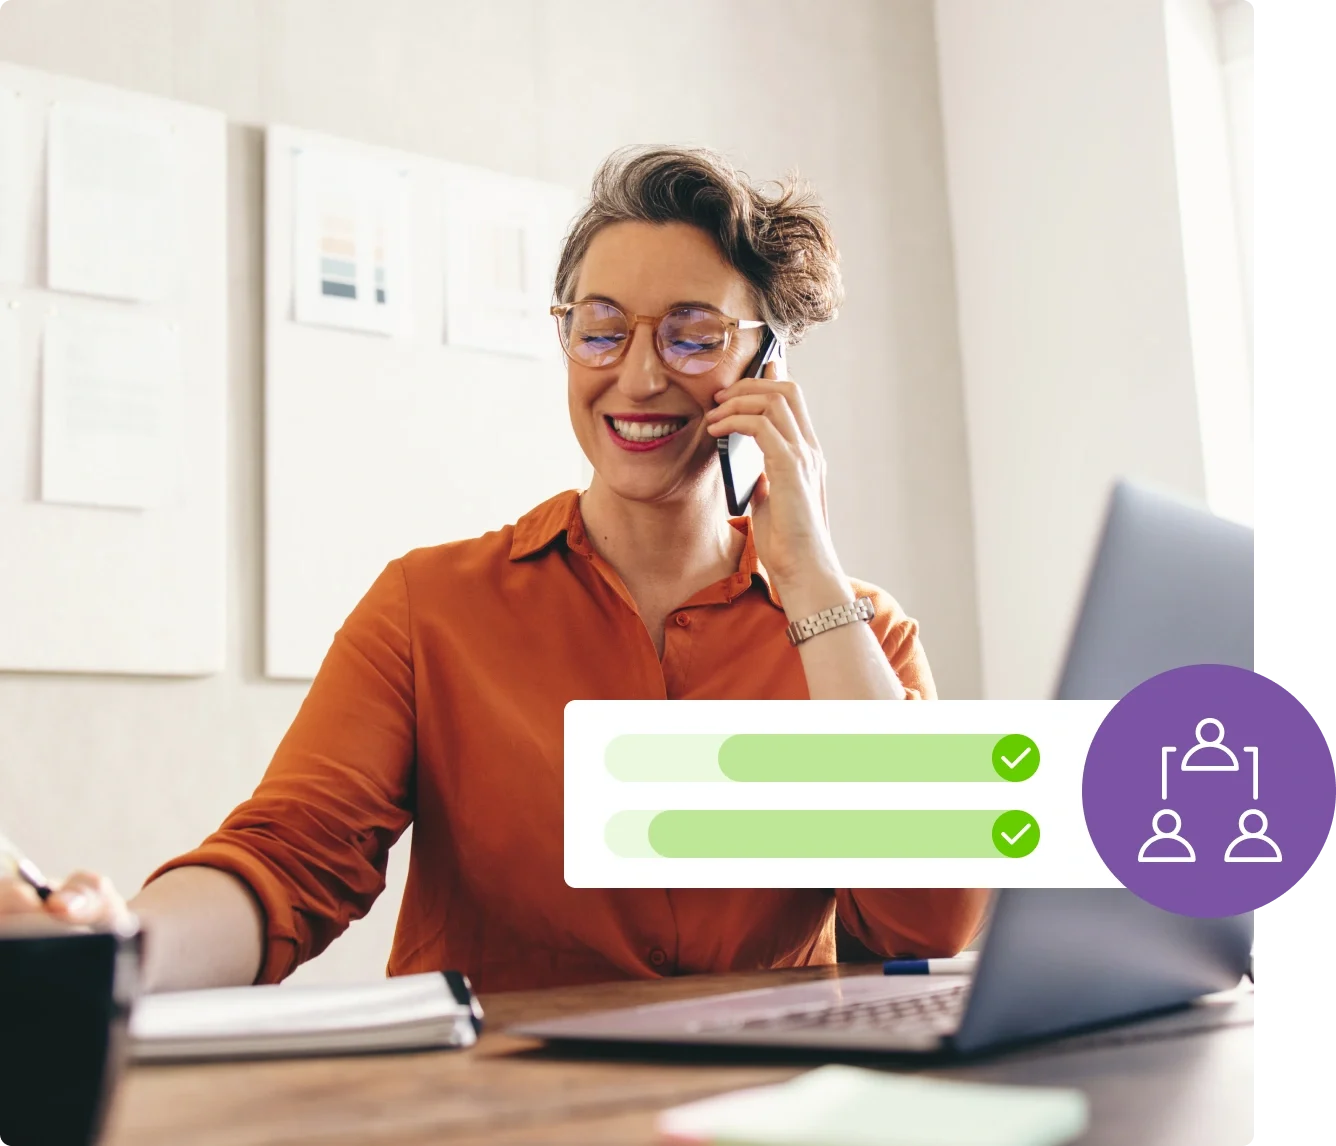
(778, 240)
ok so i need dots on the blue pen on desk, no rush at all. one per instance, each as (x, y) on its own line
(962, 964)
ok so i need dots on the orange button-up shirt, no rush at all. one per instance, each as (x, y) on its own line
(441, 703)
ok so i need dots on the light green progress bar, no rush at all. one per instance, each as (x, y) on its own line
(822, 834)
(820, 758)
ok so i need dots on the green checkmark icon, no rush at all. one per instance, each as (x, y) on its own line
(1015, 834)
(1015, 758)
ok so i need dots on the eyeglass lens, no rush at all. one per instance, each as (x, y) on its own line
(689, 340)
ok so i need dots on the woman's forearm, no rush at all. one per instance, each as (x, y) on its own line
(202, 928)
(846, 663)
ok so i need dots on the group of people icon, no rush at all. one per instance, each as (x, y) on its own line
(1172, 846)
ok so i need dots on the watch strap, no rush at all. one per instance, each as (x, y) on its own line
(861, 610)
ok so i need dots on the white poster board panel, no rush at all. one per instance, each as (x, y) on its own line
(375, 446)
(121, 588)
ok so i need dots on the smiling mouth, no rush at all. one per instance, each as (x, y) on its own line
(644, 431)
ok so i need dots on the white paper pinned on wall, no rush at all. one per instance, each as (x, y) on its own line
(350, 243)
(11, 186)
(9, 391)
(501, 245)
(112, 411)
(112, 203)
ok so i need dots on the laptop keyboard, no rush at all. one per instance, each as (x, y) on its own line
(934, 1012)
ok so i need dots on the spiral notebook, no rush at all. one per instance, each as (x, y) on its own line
(410, 1012)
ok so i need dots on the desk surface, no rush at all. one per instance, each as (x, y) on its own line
(1179, 1089)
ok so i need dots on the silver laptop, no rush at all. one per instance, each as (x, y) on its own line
(1171, 585)
(1053, 961)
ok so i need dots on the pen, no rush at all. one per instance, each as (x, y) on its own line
(26, 869)
(962, 964)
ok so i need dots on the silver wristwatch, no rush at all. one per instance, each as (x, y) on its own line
(861, 610)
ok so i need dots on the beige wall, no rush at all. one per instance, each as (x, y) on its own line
(121, 773)
(1100, 317)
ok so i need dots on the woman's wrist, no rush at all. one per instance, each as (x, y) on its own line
(817, 589)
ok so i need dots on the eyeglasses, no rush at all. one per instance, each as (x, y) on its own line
(688, 339)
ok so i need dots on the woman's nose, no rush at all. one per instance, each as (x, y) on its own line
(642, 373)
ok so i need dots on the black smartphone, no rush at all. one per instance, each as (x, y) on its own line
(739, 456)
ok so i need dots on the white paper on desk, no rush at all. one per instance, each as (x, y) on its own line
(11, 188)
(112, 415)
(113, 196)
(500, 256)
(350, 264)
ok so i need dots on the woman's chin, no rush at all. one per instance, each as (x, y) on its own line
(642, 480)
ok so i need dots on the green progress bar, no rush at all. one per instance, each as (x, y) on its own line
(822, 834)
(974, 758)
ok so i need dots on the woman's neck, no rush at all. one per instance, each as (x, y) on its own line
(684, 544)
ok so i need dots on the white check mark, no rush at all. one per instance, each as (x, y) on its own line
(1012, 839)
(1013, 763)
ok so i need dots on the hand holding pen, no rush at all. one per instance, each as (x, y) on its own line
(84, 899)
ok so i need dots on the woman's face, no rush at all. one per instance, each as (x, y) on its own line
(650, 268)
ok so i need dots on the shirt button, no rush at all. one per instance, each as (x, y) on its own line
(658, 957)
(683, 620)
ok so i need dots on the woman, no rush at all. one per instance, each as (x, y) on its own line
(441, 699)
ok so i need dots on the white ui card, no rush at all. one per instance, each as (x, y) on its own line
(112, 410)
(350, 265)
(113, 204)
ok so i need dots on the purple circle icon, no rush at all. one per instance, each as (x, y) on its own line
(1208, 790)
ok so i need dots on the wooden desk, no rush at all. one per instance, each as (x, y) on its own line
(1184, 1090)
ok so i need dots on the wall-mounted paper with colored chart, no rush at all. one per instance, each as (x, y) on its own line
(502, 239)
(112, 411)
(113, 196)
(350, 243)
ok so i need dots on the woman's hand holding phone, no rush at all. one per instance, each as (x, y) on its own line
(789, 520)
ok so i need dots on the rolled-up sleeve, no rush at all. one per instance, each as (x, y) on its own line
(910, 921)
(313, 841)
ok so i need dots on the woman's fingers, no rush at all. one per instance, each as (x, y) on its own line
(17, 898)
(772, 406)
(773, 443)
(789, 390)
(89, 899)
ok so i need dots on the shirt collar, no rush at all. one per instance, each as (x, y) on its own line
(749, 565)
(543, 524)
(560, 515)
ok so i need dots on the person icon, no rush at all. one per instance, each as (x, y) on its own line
(1178, 851)
(1209, 762)
(1209, 754)
(1268, 853)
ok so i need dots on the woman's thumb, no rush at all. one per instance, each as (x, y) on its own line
(761, 492)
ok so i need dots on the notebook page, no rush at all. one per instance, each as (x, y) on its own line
(243, 1012)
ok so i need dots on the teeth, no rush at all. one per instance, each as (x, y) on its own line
(644, 431)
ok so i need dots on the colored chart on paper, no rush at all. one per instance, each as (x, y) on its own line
(338, 256)
(379, 265)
